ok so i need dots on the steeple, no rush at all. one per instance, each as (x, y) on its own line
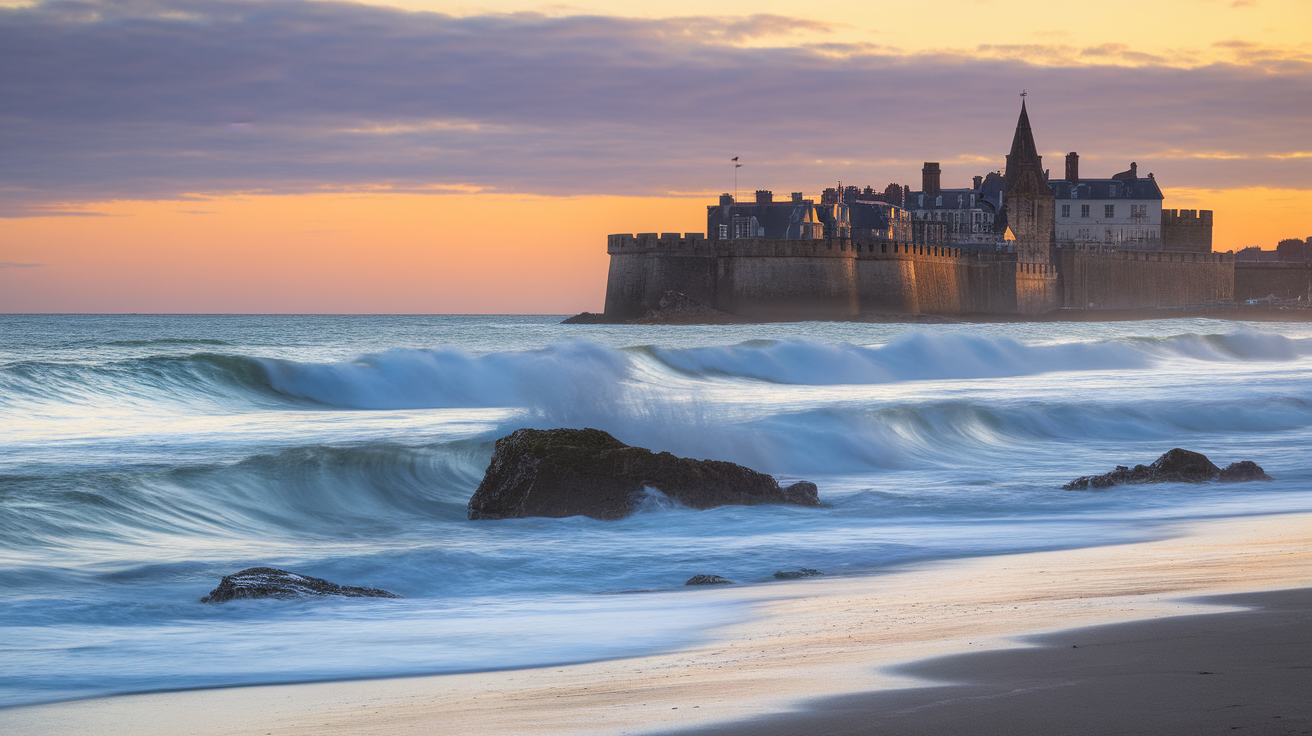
(1024, 158)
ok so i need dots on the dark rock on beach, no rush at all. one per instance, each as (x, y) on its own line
(1244, 470)
(805, 572)
(708, 580)
(1176, 466)
(269, 582)
(586, 472)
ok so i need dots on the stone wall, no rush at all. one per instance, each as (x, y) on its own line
(821, 279)
(1187, 230)
(1283, 280)
(1139, 279)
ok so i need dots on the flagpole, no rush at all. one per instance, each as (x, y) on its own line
(736, 166)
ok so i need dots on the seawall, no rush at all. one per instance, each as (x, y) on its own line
(1283, 280)
(820, 279)
(1139, 279)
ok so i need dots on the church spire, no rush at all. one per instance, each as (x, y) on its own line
(1024, 158)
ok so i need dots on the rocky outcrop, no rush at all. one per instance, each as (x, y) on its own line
(708, 580)
(1176, 466)
(587, 318)
(1242, 471)
(676, 308)
(269, 582)
(805, 572)
(586, 472)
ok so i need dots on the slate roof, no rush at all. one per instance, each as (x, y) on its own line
(780, 219)
(873, 215)
(1099, 189)
(1024, 173)
(950, 200)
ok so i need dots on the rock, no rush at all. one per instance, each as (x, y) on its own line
(1244, 470)
(269, 582)
(805, 572)
(587, 318)
(1176, 466)
(676, 308)
(1184, 466)
(708, 580)
(586, 472)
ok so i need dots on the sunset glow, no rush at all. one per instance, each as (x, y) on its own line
(417, 156)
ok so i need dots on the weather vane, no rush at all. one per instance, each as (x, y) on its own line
(1023, 93)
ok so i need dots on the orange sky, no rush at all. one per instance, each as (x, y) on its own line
(336, 253)
(402, 253)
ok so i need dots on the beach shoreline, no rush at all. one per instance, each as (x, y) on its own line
(810, 639)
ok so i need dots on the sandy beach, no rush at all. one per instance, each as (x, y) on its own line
(809, 639)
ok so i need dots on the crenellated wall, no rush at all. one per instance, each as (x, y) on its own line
(1142, 279)
(820, 279)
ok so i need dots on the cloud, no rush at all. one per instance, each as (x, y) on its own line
(8, 264)
(150, 99)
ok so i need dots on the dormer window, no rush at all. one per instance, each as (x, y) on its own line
(938, 201)
(1111, 191)
(1075, 192)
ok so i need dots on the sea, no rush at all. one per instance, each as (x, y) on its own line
(144, 457)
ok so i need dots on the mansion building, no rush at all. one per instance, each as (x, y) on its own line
(1124, 211)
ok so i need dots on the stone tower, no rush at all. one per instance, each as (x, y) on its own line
(1028, 203)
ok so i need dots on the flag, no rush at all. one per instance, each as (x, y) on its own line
(735, 158)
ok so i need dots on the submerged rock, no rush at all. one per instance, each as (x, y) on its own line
(1176, 466)
(586, 472)
(708, 580)
(805, 572)
(269, 582)
(1244, 470)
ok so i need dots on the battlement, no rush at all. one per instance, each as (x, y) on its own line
(696, 245)
(1187, 230)
(1187, 218)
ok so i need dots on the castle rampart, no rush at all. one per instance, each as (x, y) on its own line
(1187, 230)
(1142, 279)
(1281, 280)
(833, 278)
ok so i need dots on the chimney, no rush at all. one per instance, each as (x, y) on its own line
(979, 182)
(929, 178)
(764, 196)
(1134, 170)
(726, 200)
(1073, 167)
(797, 197)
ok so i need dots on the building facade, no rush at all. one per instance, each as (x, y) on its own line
(1122, 212)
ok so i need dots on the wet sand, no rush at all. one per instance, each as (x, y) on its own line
(808, 640)
(1248, 672)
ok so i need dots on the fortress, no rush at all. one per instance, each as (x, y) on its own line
(993, 249)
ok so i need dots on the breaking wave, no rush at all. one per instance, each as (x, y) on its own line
(579, 379)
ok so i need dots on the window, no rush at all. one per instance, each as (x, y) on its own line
(1075, 192)
(724, 232)
(1065, 210)
(1109, 210)
(938, 201)
(1084, 210)
(1111, 190)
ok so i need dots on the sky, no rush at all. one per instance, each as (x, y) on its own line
(420, 156)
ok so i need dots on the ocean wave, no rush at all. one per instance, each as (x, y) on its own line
(925, 356)
(578, 380)
(306, 492)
